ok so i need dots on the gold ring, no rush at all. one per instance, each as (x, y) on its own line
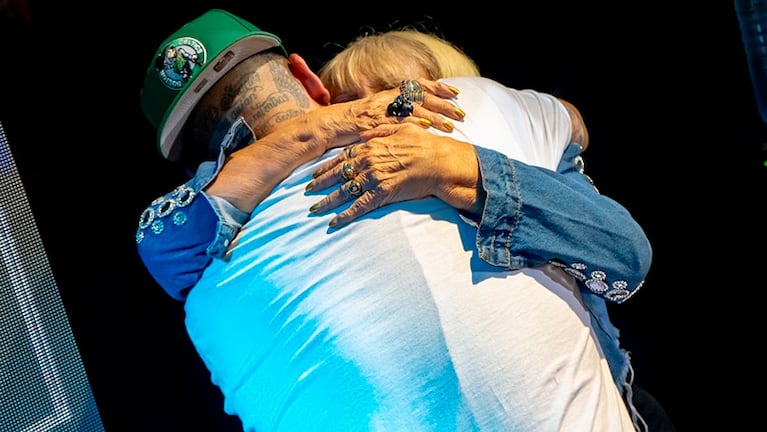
(352, 187)
(348, 172)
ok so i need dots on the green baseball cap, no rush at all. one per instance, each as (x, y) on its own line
(188, 63)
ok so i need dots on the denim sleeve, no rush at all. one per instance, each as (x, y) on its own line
(182, 231)
(533, 216)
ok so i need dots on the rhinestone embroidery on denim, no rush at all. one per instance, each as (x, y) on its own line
(575, 273)
(618, 295)
(580, 165)
(596, 281)
(578, 266)
(179, 218)
(158, 226)
(166, 208)
(147, 216)
(597, 285)
(184, 196)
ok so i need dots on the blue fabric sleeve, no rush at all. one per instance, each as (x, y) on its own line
(533, 216)
(182, 231)
(173, 245)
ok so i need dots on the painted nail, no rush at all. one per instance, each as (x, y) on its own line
(309, 186)
(425, 122)
(333, 223)
(454, 90)
(314, 208)
(448, 125)
(461, 113)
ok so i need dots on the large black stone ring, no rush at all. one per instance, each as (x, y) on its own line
(412, 91)
(352, 187)
(401, 107)
(347, 171)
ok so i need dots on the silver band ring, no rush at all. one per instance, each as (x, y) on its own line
(347, 171)
(412, 91)
(352, 187)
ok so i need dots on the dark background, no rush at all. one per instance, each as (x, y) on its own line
(675, 137)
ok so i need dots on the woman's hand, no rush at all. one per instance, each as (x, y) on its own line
(340, 124)
(398, 163)
(306, 137)
(371, 111)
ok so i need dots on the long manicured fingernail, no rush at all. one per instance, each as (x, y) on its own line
(314, 208)
(332, 222)
(425, 122)
(454, 90)
(448, 125)
(461, 113)
(309, 186)
(315, 174)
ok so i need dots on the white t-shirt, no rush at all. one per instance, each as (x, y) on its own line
(393, 323)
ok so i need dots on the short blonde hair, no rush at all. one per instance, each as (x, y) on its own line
(380, 57)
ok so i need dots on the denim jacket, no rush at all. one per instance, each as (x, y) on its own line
(532, 216)
(525, 202)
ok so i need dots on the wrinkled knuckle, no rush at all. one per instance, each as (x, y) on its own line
(365, 162)
(357, 207)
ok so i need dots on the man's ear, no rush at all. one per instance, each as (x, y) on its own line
(309, 79)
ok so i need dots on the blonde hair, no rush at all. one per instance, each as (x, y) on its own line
(380, 58)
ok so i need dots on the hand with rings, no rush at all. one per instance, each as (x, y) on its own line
(350, 185)
(397, 163)
(424, 102)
